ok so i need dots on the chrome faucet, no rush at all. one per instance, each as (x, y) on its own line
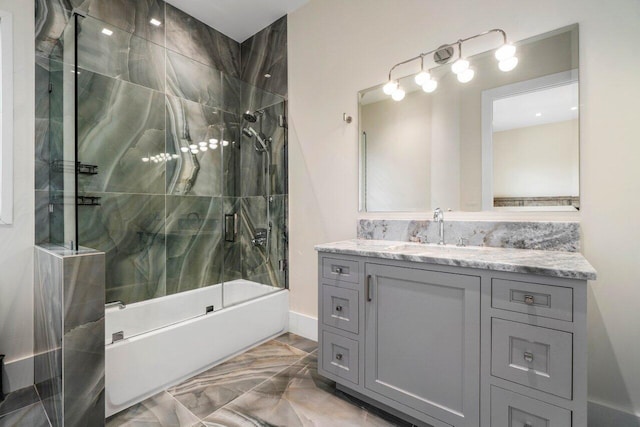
(438, 216)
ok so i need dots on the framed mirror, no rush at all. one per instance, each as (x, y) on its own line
(501, 141)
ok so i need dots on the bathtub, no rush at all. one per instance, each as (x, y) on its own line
(169, 339)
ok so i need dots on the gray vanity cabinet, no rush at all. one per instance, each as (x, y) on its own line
(422, 340)
(454, 346)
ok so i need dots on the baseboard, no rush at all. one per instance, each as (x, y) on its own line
(303, 325)
(17, 374)
(600, 415)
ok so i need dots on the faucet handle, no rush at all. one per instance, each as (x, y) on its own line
(438, 215)
(462, 241)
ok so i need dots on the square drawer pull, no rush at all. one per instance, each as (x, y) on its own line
(338, 308)
(338, 270)
(528, 357)
(529, 299)
(339, 356)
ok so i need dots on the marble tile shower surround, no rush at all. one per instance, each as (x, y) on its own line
(69, 298)
(550, 236)
(256, 63)
(147, 90)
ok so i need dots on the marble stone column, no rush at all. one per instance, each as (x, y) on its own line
(69, 298)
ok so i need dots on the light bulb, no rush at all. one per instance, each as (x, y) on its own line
(174, 156)
(390, 87)
(213, 141)
(194, 151)
(398, 94)
(202, 143)
(154, 160)
(508, 64)
(505, 52)
(466, 75)
(459, 66)
(193, 146)
(430, 85)
(204, 148)
(422, 77)
(145, 159)
(184, 149)
(213, 146)
(225, 143)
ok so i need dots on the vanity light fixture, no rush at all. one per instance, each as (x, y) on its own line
(155, 22)
(505, 55)
(107, 32)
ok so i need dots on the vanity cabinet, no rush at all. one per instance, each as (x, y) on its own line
(454, 346)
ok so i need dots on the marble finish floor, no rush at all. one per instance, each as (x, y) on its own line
(274, 384)
(23, 408)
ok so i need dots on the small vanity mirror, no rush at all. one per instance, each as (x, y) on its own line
(501, 141)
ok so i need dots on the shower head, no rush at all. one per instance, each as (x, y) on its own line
(252, 117)
(250, 132)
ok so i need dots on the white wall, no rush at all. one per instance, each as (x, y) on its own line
(337, 48)
(16, 241)
(537, 161)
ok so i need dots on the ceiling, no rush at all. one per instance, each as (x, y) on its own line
(238, 19)
(540, 107)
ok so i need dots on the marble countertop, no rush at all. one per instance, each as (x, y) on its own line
(570, 265)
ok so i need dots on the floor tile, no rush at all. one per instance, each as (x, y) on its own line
(298, 342)
(161, 410)
(18, 399)
(214, 388)
(295, 397)
(32, 416)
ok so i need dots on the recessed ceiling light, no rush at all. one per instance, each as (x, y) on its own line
(155, 22)
(574, 108)
(538, 114)
(107, 32)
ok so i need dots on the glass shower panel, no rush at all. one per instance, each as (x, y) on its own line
(121, 144)
(62, 144)
(256, 255)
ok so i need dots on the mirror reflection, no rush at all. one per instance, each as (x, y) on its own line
(502, 141)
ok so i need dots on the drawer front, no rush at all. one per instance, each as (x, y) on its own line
(536, 357)
(340, 356)
(509, 409)
(340, 308)
(555, 302)
(340, 270)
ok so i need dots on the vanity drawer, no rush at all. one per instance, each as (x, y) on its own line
(340, 308)
(555, 302)
(509, 409)
(340, 356)
(536, 357)
(340, 269)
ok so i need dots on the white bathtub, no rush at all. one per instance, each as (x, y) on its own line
(171, 338)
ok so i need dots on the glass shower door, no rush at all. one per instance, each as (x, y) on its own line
(255, 262)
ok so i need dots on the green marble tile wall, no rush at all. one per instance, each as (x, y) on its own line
(146, 91)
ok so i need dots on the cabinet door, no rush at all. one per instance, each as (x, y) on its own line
(422, 341)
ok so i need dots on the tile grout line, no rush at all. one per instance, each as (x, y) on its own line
(259, 384)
